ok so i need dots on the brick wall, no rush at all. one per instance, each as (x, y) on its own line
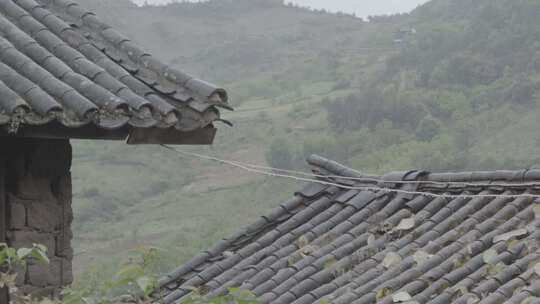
(38, 208)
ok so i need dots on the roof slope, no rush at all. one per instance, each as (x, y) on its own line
(332, 245)
(61, 65)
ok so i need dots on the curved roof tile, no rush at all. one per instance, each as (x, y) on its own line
(61, 63)
(332, 245)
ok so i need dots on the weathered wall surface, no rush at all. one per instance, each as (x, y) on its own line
(38, 208)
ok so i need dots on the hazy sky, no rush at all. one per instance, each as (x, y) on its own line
(360, 7)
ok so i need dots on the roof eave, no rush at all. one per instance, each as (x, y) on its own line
(133, 136)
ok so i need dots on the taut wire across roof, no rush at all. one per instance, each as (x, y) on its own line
(336, 180)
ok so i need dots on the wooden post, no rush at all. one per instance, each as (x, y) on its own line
(4, 296)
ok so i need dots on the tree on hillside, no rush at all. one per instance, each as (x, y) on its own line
(280, 154)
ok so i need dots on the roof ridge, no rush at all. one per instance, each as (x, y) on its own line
(339, 169)
(333, 167)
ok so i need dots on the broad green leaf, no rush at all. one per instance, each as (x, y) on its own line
(130, 271)
(146, 284)
(72, 299)
(40, 255)
(11, 253)
(23, 253)
(40, 247)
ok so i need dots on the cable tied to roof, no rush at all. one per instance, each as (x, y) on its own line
(333, 180)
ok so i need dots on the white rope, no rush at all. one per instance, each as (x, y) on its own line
(378, 180)
(254, 169)
(361, 179)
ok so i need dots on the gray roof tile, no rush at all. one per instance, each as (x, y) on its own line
(330, 244)
(60, 62)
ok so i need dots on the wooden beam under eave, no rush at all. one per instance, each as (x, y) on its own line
(134, 136)
(172, 136)
(58, 131)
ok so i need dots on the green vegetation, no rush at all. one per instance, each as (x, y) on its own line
(133, 282)
(464, 75)
(12, 259)
(456, 88)
(235, 296)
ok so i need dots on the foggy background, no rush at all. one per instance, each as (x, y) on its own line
(446, 88)
(362, 8)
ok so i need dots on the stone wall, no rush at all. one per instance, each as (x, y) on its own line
(38, 208)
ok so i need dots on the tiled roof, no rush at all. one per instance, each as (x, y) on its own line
(331, 245)
(61, 65)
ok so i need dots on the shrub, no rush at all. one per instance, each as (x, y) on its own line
(428, 128)
(10, 260)
(235, 296)
(280, 154)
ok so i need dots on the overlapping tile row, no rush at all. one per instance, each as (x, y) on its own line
(332, 245)
(60, 63)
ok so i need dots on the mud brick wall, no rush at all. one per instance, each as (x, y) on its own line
(37, 196)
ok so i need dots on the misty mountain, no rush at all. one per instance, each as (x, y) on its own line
(453, 85)
(362, 8)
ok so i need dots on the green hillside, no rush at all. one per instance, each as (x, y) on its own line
(451, 86)
(464, 80)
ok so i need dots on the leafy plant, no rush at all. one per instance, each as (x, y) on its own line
(281, 154)
(10, 260)
(235, 296)
(134, 280)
